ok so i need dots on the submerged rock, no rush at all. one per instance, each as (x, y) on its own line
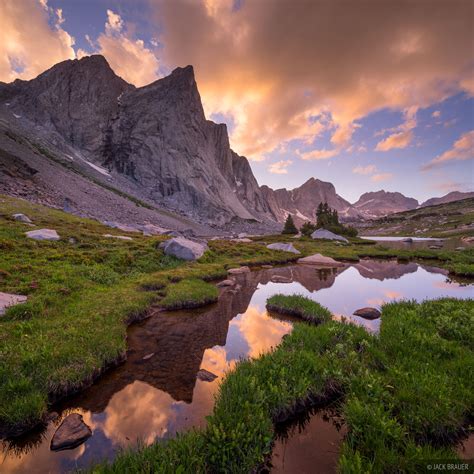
(43, 234)
(22, 218)
(283, 247)
(327, 235)
(318, 259)
(237, 271)
(224, 283)
(368, 313)
(71, 433)
(408, 240)
(206, 376)
(8, 299)
(183, 248)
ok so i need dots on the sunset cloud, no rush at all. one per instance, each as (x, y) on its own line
(280, 167)
(377, 178)
(365, 170)
(317, 154)
(275, 65)
(31, 39)
(462, 149)
(127, 56)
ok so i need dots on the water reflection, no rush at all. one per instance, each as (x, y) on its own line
(153, 398)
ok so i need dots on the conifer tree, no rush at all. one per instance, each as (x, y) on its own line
(289, 227)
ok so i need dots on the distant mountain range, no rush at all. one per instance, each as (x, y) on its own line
(80, 137)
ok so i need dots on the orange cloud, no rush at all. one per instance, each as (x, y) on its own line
(381, 177)
(280, 167)
(463, 149)
(28, 44)
(274, 66)
(317, 154)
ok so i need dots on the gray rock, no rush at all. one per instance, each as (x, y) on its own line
(183, 248)
(435, 247)
(71, 433)
(368, 313)
(225, 283)
(151, 229)
(408, 240)
(122, 227)
(148, 356)
(43, 234)
(283, 247)
(8, 299)
(22, 218)
(320, 260)
(242, 240)
(327, 235)
(242, 235)
(121, 237)
(459, 249)
(206, 376)
(237, 271)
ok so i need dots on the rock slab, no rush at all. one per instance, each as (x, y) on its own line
(328, 235)
(283, 247)
(7, 299)
(43, 234)
(368, 313)
(183, 248)
(225, 283)
(121, 237)
(22, 218)
(71, 433)
(206, 376)
(237, 271)
(321, 260)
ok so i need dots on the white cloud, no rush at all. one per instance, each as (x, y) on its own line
(365, 170)
(436, 114)
(280, 167)
(317, 154)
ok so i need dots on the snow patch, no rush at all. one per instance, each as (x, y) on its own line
(98, 168)
(16, 116)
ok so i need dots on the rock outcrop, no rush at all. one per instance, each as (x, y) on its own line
(381, 203)
(71, 433)
(154, 139)
(43, 234)
(8, 299)
(327, 235)
(283, 247)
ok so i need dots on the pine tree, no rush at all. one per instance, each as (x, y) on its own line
(289, 227)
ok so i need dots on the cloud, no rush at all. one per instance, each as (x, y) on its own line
(317, 154)
(377, 178)
(369, 169)
(280, 167)
(396, 140)
(462, 149)
(436, 114)
(276, 65)
(31, 39)
(127, 55)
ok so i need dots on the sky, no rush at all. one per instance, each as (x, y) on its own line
(366, 94)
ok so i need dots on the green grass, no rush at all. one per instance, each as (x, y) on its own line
(82, 295)
(406, 395)
(300, 307)
(190, 293)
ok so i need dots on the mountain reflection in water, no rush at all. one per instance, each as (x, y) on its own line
(153, 398)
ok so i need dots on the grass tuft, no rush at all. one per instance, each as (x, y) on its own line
(300, 307)
(190, 293)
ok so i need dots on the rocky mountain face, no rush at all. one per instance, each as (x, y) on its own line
(156, 137)
(450, 197)
(303, 201)
(380, 203)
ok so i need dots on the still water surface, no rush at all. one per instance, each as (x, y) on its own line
(153, 398)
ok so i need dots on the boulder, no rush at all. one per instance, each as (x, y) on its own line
(327, 235)
(459, 249)
(71, 433)
(224, 283)
(435, 247)
(43, 234)
(206, 376)
(408, 240)
(321, 260)
(183, 248)
(22, 218)
(237, 271)
(368, 313)
(242, 240)
(8, 299)
(121, 237)
(283, 247)
(242, 235)
(467, 239)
